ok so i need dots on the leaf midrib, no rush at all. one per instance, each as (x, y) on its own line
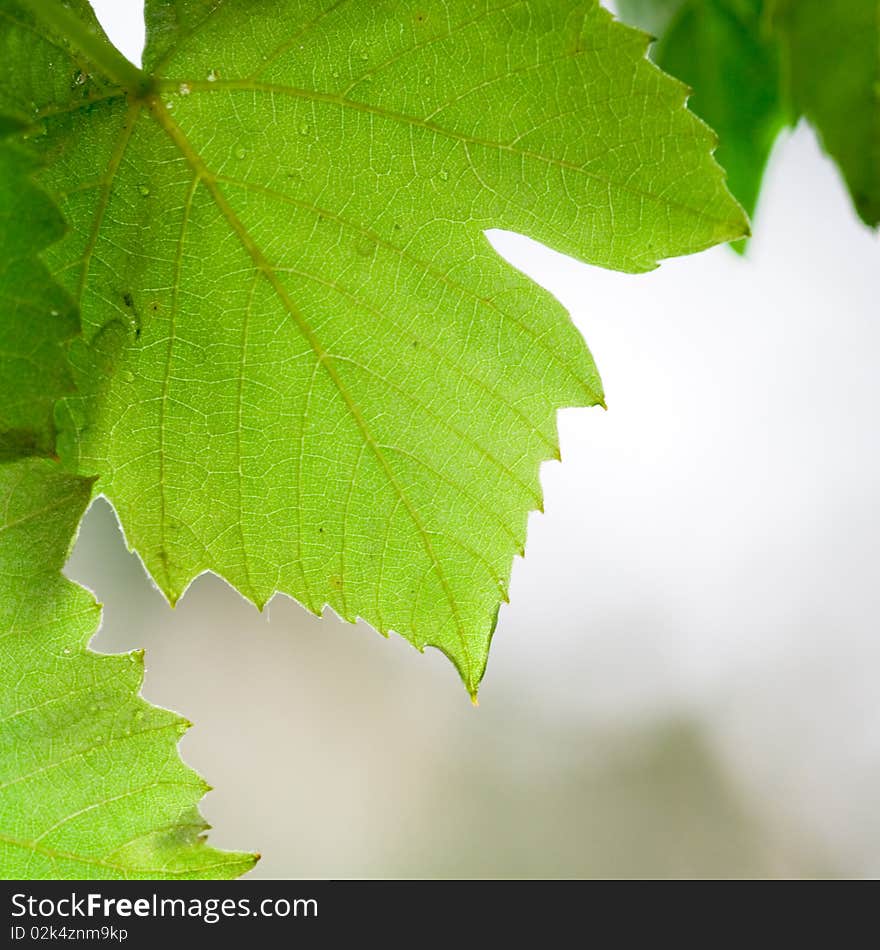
(316, 96)
(159, 112)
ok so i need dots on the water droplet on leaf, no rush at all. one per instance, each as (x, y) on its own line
(240, 152)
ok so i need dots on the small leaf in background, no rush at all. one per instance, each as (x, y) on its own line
(91, 782)
(832, 53)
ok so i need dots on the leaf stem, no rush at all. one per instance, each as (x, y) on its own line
(88, 40)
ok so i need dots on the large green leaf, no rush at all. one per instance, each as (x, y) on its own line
(37, 319)
(723, 50)
(832, 52)
(91, 783)
(307, 370)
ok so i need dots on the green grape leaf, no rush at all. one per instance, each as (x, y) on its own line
(723, 50)
(832, 54)
(91, 783)
(307, 370)
(37, 318)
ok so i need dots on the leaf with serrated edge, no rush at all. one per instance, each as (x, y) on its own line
(91, 782)
(324, 380)
(832, 55)
(37, 319)
(723, 50)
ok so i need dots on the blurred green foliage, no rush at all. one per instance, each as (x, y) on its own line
(756, 65)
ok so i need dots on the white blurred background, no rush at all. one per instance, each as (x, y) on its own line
(686, 680)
